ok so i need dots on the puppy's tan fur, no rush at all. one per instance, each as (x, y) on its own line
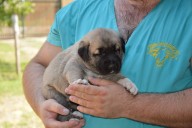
(68, 66)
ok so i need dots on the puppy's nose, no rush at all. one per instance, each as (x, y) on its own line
(110, 64)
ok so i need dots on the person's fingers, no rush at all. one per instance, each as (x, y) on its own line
(80, 124)
(88, 89)
(82, 102)
(80, 94)
(49, 111)
(53, 106)
(57, 124)
(87, 110)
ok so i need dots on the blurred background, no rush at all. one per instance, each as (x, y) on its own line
(24, 25)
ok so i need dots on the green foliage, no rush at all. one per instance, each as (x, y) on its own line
(10, 7)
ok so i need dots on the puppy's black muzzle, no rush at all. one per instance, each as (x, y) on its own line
(109, 65)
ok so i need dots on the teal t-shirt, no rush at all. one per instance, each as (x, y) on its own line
(157, 53)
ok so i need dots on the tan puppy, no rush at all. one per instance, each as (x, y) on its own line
(98, 54)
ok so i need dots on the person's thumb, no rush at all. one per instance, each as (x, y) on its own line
(54, 106)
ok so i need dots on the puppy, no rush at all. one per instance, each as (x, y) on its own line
(98, 54)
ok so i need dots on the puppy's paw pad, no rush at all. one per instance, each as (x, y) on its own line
(75, 119)
(77, 114)
(81, 81)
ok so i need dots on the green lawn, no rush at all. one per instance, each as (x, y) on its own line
(14, 109)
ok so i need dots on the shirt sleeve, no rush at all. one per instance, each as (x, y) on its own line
(62, 31)
(54, 35)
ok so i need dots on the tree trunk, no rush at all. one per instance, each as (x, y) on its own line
(15, 22)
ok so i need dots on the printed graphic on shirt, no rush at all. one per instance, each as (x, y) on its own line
(162, 52)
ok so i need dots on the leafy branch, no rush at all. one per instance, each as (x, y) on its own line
(10, 7)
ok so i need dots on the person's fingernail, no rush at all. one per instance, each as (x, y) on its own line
(66, 111)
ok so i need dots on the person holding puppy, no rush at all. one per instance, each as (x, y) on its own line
(157, 59)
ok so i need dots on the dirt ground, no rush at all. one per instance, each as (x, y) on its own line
(15, 112)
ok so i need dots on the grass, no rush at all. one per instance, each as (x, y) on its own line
(11, 88)
(14, 109)
(10, 82)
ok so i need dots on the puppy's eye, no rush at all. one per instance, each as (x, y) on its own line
(99, 52)
(96, 54)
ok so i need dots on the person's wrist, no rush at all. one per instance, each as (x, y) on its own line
(130, 107)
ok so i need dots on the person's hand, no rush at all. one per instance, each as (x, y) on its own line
(106, 99)
(49, 111)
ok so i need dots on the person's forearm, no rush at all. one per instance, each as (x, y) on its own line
(32, 80)
(171, 110)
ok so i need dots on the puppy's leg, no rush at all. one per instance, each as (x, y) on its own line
(56, 91)
(52, 93)
(129, 85)
(78, 115)
(74, 75)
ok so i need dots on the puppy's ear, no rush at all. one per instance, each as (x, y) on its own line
(122, 43)
(83, 50)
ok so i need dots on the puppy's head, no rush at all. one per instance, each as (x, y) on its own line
(102, 51)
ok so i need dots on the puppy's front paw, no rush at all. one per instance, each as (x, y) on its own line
(77, 114)
(129, 85)
(81, 81)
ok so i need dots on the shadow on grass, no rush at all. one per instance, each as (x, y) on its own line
(7, 71)
(6, 66)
